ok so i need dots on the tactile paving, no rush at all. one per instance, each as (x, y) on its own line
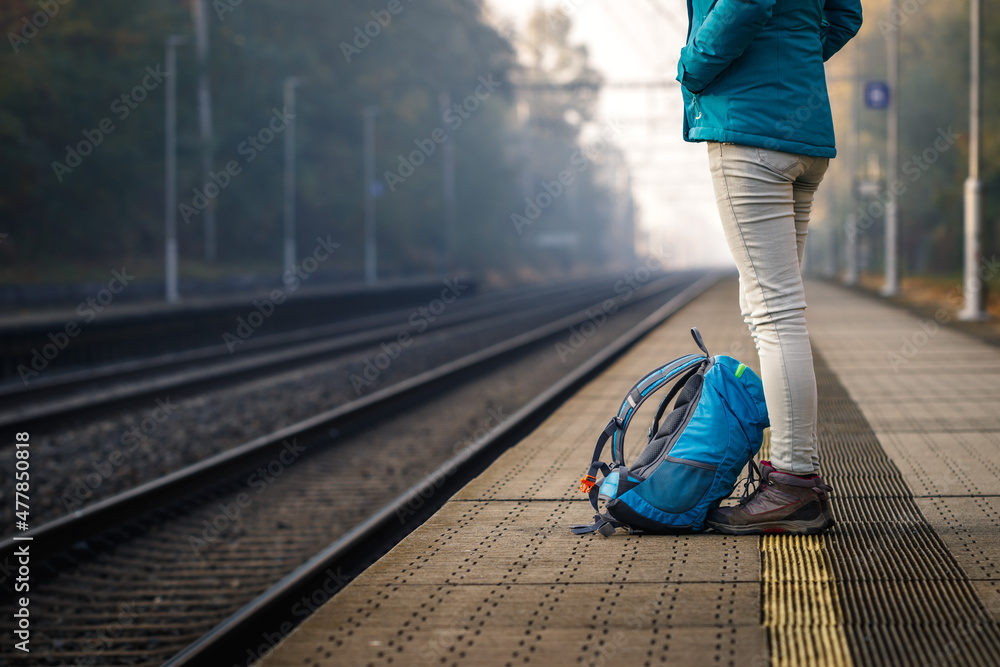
(908, 576)
(893, 436)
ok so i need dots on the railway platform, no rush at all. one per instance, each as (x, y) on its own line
(910, 575)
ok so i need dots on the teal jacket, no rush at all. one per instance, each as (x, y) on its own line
(752, 71)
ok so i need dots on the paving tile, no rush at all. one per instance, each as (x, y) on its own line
(963, 464)
(496, 577)
(495, 542)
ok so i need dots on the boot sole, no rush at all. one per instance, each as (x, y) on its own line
(774, 527)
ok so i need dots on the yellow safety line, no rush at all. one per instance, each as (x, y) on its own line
(801, 607)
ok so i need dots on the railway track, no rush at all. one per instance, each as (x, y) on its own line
(60, 396)
(99, 333)
(108, 440)
(135, 578)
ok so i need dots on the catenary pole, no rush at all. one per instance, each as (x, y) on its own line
(291, 83)
(200, 17)
(371, 253)
(891, 285)
(448, 193)
(170, 185)
(973, 309)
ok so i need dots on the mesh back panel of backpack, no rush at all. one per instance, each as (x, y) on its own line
(670, 424)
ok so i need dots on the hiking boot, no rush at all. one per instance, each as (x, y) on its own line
(782, 503)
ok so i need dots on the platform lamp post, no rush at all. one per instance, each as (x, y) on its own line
(891, 286)
(291, 83)
(973, 309)
(371, 254)
(170, 189)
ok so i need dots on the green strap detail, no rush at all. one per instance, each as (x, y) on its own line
(740, 369)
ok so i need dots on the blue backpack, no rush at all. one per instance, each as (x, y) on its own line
(692, 461)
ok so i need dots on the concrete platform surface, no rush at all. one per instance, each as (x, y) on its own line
(910, 436)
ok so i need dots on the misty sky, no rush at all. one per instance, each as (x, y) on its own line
(640, 41)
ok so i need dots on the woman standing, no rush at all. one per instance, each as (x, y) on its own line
(754, 88)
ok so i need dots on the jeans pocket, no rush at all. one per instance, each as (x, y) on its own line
(780, 161)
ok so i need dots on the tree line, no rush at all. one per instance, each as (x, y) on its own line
(82, 128)
(933, 99)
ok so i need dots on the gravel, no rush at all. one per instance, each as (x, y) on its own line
(77, 465)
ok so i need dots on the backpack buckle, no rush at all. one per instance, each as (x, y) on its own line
(587, 483)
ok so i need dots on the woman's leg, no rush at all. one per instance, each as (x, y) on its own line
(764, 201)
(803, 191)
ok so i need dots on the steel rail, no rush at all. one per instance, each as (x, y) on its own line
(225, 643)
(260, 356)
(54, 536)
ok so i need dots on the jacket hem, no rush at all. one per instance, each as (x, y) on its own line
(698, 134)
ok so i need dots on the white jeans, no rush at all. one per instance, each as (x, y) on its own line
(764, 199)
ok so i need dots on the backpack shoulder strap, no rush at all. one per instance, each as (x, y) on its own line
(603, 524)
(674, 390)
(699, 340)
(615, 430)
(641, 391)
(596, 465)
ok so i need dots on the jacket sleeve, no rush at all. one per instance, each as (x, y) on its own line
(842, 22)
(723, 36)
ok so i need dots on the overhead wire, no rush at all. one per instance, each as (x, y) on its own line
(645, 157)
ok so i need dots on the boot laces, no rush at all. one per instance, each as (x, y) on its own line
(756, 478)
